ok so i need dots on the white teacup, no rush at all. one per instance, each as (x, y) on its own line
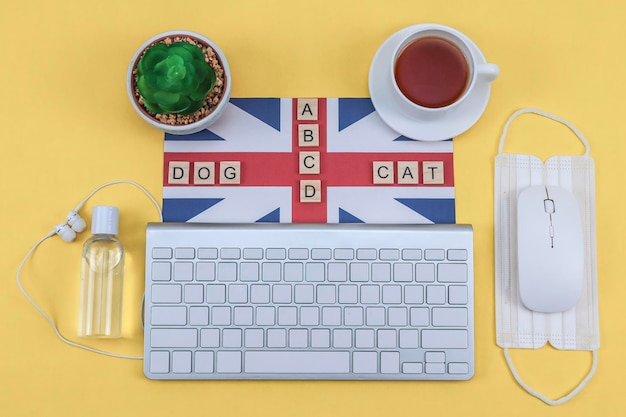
(428, 66)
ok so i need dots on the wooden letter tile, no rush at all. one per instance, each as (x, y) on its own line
(309, 163)
(204, 173)
(383, 172)
(408, 172)
(178, 172)
(307, 109)
(432, 172)
(230, 172)
(308, 135)
(310, 191)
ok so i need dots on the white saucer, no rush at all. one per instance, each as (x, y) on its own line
(418, 126)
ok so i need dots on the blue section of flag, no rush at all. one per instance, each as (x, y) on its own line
(437, 210)
(201, 135)
(351, 110)
(345, 217)
(273, 217)
(183, 209)
(265, 109)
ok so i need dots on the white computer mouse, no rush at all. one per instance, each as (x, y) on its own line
(550, 249)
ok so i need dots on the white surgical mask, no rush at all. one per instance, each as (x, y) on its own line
(516, 325)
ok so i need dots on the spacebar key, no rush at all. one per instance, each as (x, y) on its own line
(296, 362)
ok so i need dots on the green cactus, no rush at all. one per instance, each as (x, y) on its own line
(174, 79)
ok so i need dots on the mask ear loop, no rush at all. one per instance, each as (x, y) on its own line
(543, 398)
(509, 361)
(544, 114)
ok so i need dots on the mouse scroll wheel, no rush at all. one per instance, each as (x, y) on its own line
(548, 205)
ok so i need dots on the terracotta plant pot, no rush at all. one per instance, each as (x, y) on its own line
(171, 123)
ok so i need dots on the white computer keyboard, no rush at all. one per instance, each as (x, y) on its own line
(294, 301)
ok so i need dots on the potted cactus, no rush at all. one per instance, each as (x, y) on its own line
(179, 82)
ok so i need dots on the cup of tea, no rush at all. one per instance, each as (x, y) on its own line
(436, 68)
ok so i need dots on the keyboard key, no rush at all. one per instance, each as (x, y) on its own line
(402, 272)
(452, 273)
(287, 316)
(228, 362)
(215, 294)
(298, 253)
(321, 254)
(203, 362)
(337, 272)
(270, 271)
(194, 293)
(303, 294)
(386, 338)
(231, 338)
(359, 272)
(227, 271)
(412, 254)
(457, 294)
(220, 316)
(161, 271)
(296, 362)
(365, 362)
(353, 316)
(366, 254)
(450, 316)
(253, 338)
(435, 368)
(207, 253)
(331, 316)
(159, 362)
(169, 316)
(276, 254)
(294, 272)
(425, 272)
(370, 294)
(174, 338)
(326, 294)
(457, 254)
(281, 294)
(381, 272)
(397, 316)
(166, 293)
(309, 316)
(412, 368)
(434, 254)
(375, 316)
(276, 338)
(230, 253)
(183, 271)
(444, 339)
(320, 338)
(343, 254)
(253, 253)
(237, 293)
(210, 338)
(181, 362)
(348, 294)
(435, 357)
(249, 271)
(364, 338)
(342, 338)
(458, 368)
(419, 316)
(298, 338)
(390, 362)
(392, 294)
(161, 253)
(259, 294)
(389, 254)
(243, 316)
(184, 253)
(205, 271)
(199, 316)
(413, 294)
(265, 316)
(315, 272)
(435, 294)
(409, 339)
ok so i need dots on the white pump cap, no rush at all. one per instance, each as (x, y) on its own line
(104, 220)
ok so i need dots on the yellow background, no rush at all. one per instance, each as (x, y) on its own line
(67, 126)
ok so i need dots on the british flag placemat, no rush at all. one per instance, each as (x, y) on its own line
(306, 160)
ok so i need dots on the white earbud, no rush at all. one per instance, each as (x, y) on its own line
(75, 221)
(65, 232)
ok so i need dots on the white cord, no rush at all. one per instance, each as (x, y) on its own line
(52, 233)
(543, 398)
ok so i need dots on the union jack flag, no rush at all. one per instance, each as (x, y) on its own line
(306, 160)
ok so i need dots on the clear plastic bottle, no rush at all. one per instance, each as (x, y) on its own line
(102, 277)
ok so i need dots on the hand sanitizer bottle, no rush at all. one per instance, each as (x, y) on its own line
(102, 277)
